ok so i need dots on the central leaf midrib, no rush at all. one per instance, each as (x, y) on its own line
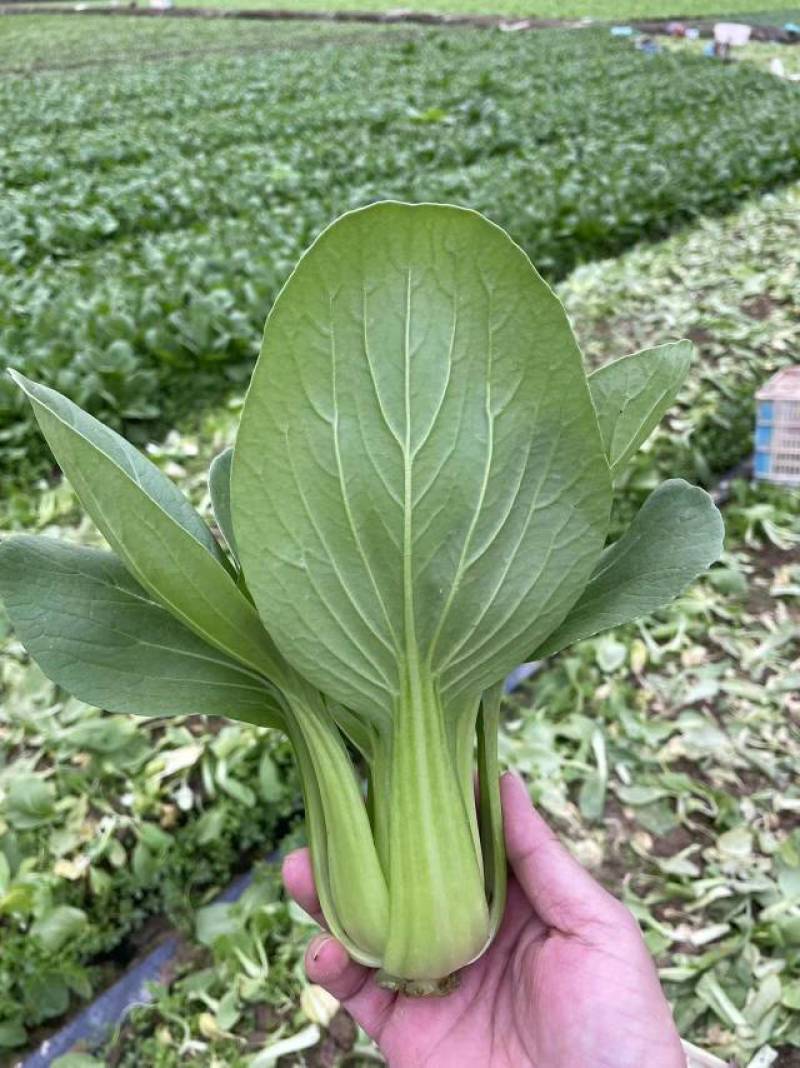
(409, 621)
(461, 567)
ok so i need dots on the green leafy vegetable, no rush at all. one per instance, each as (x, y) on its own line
(419, 497)
(79, 606)
(631, 394)
(676, 535)
(151, 526)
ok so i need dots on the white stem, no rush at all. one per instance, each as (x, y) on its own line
(698, 1058)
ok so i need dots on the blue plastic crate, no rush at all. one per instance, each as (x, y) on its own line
(777, 431)
(763, 436)
(762, 465)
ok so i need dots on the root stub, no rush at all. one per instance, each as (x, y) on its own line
(419, 988)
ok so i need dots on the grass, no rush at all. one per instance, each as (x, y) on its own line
(600, 10)
(775, 18)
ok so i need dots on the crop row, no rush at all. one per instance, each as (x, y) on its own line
(730, 284)
(31, 44)
(580, 168)
(150, 220)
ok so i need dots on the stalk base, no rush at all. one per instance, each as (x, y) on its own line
(418, 988)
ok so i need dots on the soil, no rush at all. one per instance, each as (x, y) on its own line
(759, 307)
(340, 1038)
(767, 560)
(699, 335)
(667, 845)
(615, 869)
(267, 1019)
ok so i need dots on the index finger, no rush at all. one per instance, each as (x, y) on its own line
(298, 878)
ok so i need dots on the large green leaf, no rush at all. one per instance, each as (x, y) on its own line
(419, 483)
(631, 394)
(152, 528)
(101, 636)
(676, 535)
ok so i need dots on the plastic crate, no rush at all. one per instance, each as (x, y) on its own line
(777, 439)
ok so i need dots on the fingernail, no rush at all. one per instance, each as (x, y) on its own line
(319, 943)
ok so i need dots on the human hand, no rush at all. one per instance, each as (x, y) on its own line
(567, 983)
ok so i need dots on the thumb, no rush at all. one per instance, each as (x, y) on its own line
(327, 961)
(560, 890)
(328, 965)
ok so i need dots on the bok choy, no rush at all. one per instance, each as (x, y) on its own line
(418, 500)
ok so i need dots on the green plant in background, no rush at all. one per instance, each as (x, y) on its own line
(136, 268)
(419, 499)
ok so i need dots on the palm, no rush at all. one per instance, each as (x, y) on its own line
(567, 981)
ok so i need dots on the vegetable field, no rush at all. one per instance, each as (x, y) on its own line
(149, 220)
(160, 182)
